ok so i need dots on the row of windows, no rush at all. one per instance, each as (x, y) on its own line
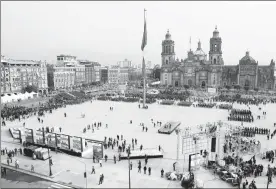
(64, 79)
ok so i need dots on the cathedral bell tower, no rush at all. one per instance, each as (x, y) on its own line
(215, 53)
(168, 54)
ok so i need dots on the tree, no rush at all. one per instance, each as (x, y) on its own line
(29, 89)
(246, 88)
(228, 87)
(238, 87)
(186, 87)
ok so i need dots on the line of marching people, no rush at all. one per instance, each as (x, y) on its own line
(252, 131)
(240, 115)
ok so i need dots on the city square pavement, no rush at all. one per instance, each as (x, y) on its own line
(15, 179)
(69, 169)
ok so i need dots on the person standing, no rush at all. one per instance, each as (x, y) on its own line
(100, 161)
(145, 169)
(130, 165)
(93, 170)
(105, 157)
(32, 168)
(139, 168)
(162, 172)
(101, 180)
(149, 169)
(114, 159)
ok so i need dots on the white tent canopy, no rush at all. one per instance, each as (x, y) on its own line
(155, 83)
(6, 98)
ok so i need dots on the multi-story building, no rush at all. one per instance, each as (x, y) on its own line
(123, 75)
(17, 74)
(117, 75)
(64, 77)
(104, 74)
(96, 72)
(113, 74)
(63, 60)
(197, 70)
(71, 61)
(125, 63)
(88, 70)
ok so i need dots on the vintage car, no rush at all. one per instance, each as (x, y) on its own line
(230, 177)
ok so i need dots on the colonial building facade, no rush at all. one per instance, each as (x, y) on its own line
(17, 74)
(199, 71)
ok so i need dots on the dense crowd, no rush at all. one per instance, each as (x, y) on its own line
(240, 115)
(205, 105)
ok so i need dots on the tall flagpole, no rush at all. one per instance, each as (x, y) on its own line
(144, 69)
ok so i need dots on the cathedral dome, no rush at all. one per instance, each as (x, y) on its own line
(247, 59)
(199, 53)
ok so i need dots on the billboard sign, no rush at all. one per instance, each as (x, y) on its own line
(97, 151)
(76, 143)
(39, 137)
(50, 139)
(29, 137)
(63, 141)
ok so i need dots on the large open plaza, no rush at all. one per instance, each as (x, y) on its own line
(70, 169)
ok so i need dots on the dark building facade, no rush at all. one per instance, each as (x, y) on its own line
(104, 74)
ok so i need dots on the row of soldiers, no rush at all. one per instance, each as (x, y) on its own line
(243, 118)
(256, 130)
(241, 112)
(206, 105)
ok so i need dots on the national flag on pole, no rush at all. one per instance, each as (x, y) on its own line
(144, 41)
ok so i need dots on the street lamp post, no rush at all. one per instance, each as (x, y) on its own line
(50, 167)
(128, 153)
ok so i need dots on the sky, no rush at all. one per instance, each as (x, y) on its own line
(108, 32)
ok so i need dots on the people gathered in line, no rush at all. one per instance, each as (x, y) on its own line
(240, 115)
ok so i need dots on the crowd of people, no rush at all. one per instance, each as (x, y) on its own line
(241, 115)
(205, 105)
(252, 131)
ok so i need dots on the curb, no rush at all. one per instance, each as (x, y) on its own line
(35, 174)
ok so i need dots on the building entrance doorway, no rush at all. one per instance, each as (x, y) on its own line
(203, 84)
(190, 82)
(176, 83)
(247, 83)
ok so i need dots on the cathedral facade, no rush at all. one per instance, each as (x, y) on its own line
(199, 71)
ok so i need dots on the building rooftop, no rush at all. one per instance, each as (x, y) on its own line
(18, 62)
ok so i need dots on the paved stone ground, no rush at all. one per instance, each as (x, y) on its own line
(15, 179)
(70, 169)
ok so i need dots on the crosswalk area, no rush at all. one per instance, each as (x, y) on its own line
(56, 185)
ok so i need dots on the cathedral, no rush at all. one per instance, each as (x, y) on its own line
(198, 70)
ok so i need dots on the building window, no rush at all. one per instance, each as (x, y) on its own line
(215, 61)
